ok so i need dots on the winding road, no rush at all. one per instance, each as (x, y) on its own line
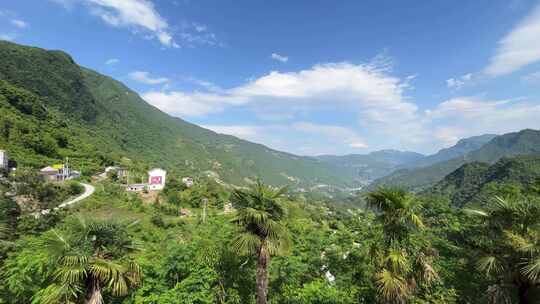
(88, 191)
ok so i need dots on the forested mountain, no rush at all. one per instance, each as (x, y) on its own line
(476, 182)
(525, 142)
(462, 147)
(364, 168)
(96, 120)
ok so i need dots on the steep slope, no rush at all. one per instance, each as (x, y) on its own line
(462, 147)
(472, 183)
(525, 142)
(103, 117)
(364, 168)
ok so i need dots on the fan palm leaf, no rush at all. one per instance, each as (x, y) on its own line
(392, 287)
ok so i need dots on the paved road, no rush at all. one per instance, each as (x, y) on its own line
(88, 191)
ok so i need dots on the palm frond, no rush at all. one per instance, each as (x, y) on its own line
(416, 220)
(397, 261)
(248, 216)
(134, 274)
(392, 287)
(73, 269)
(279, 246)
(531, 270)
(489, 265)
(105, 271)
(475, 212)
(246, 243)
(56, 293)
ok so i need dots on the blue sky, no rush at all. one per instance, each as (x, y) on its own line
(309, 77)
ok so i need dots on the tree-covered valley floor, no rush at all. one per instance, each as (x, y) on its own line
(401, 248)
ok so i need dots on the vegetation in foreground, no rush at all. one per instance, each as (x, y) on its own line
(275, 247)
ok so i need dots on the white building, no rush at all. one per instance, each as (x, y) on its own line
(4, 160)
(156, 179)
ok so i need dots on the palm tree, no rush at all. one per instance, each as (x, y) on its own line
(509, 248)
(402, 264)
(89, 259)
(262, 233)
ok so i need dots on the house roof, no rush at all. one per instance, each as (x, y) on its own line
(136, 186)
(156, 170)
(48, 170)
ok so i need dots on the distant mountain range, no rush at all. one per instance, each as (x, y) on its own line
(463, 146)
(364, 168)
(525, 142)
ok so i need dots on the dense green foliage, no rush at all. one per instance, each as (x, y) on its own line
(474, 183)
(409, 249)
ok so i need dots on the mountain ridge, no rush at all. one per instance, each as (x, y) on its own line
(473, 182)
(107, 112)
(524, 142)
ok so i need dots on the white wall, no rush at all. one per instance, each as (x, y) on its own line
(156, 179)
(3, 159)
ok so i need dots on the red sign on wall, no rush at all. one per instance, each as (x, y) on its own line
(155, 180)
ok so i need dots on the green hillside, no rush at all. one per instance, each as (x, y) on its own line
(102, 121)
(525, 142)
(475, 182)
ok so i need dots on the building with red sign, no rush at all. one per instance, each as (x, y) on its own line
(156, 179)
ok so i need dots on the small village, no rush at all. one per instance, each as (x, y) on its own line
(62, 173)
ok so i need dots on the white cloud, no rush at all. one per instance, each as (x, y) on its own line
(200, 27)
(468, 116)
(334, 133)
(301, 138)
(143, 77)
(191, 39)
(459, 82)
(138, 15)
(19, 23)
(142, 17)
(372, 93)
(279, 57)
(386, 116)
(244, 132)
(518, 48)
(531, 77)
(112, 61)
(203, 83)
(67, 4)
(7, 37)
(188, 104)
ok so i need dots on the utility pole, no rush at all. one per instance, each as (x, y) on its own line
(205, 204)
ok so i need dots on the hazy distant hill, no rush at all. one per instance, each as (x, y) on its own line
(364, 168)
(475, 182)
(525, 142)
(462, 147)
(96, 120)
